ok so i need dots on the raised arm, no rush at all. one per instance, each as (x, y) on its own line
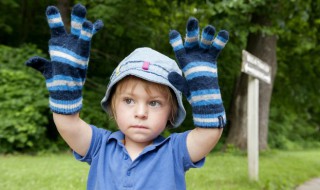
(65, 73)
(76, 132)
(198, 60)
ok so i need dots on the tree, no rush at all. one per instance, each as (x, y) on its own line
(262, 46)
(294, 26)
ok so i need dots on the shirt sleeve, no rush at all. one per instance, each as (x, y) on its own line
(179, 143)
(98, 134)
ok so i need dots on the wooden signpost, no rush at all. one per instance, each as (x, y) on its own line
(257, 70)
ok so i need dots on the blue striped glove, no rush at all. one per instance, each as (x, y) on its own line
(198, 61)
(65, 74)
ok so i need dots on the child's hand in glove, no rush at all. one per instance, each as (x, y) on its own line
(198, 60)
(65, 73)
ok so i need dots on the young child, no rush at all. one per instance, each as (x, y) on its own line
(144, 98)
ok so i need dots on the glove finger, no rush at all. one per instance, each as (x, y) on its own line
(97, 26)
(220, 41)
(192, 35)
(85, 39)
(78, 16)
(55, 21)
(176, 43)
(38, 63)
(179, 82)
(86, 31)
(207, 37)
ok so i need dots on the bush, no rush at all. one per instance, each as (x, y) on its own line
(26, 120)
(92, 112)
(23, 101)
(292, 129)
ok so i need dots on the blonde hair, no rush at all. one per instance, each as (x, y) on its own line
(165, 90)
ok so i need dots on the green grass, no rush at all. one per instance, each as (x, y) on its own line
(277, 170)
(222, 171)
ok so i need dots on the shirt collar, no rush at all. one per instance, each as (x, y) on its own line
(119, 137)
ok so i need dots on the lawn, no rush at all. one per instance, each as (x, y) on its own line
(222, 171)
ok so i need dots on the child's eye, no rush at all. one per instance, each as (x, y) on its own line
(128, 100)
(155, 104)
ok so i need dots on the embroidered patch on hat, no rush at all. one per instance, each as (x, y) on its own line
(145, 65)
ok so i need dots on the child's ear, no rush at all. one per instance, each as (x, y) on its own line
(169, 124)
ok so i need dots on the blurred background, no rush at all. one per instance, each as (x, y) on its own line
(284, 34)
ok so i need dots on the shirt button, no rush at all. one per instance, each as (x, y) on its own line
(128, 173)
(126, 157)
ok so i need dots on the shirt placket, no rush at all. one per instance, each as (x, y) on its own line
(129, 177)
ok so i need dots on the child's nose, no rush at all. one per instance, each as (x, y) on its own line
(141, 111)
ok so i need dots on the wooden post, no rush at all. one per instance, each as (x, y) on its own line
(253, 128)
(257, 70)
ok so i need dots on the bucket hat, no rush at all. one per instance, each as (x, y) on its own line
(149, 65)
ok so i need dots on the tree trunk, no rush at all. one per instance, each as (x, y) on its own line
(65, 11)
(262, 46)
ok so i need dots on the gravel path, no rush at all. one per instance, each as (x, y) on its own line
(313, 184)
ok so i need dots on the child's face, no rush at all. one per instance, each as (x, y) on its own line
(141, 114)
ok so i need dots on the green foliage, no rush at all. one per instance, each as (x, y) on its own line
(92, 112)
(6, 5)
(23, 22)
(130, 24)
(26, 123)
(295, 108)
(23, 101)
(290, 129)
(294, 121)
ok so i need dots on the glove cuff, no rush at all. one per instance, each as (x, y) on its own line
(209, 116)
(65, 107)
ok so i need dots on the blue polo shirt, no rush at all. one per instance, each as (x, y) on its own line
(161, 165)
